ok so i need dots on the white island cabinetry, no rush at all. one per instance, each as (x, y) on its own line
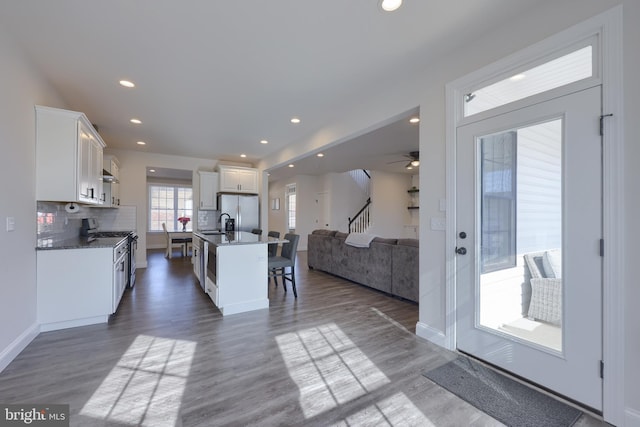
(235, 271)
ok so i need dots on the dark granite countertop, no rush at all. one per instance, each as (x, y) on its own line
(235, 238)
(79, 243)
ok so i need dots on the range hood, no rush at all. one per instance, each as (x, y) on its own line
(107, 177)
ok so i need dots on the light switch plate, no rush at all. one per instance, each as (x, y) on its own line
(11, 223)
(439, 224)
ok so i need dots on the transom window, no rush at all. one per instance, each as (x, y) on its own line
(561, 71)
(168, 203)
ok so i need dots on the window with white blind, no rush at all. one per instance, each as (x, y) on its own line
(169, 203)
(291, 207)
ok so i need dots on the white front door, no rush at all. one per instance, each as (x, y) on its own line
(529, 203)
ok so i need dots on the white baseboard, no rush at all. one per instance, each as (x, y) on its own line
(430, 334)
(632, 418)
(54, 326)
(13, 350)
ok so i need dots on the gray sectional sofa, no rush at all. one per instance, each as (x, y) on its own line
(388, 265)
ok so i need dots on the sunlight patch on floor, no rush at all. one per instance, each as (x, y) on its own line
(390, 320)
(395, 411)
(328, 368)
(146, 385)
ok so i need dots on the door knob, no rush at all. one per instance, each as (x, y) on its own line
(462, 235)
(461, 251)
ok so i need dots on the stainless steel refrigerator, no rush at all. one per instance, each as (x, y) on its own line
(241, 207)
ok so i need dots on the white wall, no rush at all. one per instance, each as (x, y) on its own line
(278, 218)
(389, 213)
(21, 87)
(133, 185)
(424, 87)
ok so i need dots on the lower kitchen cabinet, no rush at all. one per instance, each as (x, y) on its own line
(76, 287)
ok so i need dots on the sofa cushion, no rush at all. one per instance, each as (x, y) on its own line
(552, 263)
(385, 241)
(409, 242)
(341, 235)
(323, 232)
(405, 271)
(359, 240)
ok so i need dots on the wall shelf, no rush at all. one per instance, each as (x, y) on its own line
(413, 192)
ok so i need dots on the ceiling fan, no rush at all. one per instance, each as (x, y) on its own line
(414, 160)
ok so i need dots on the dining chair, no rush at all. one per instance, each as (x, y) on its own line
(273, 248)
(278, 263)
(175, 241)
(257, 231)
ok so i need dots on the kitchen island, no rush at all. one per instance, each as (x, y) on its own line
(232, 269)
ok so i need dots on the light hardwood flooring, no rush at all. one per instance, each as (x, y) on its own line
(340, 354)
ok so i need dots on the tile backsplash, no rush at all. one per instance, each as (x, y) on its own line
(55, 222)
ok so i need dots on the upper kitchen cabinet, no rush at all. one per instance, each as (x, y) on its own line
(235, 179)
(111, 182)
(208, 190)
(68, 157)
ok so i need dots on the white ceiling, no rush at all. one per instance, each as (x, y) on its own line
(214, 78)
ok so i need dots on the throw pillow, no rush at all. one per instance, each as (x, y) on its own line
(552, 262)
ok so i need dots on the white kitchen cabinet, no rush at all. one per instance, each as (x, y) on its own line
(208, 190)
(111, 190)
(235, 179)
(75, 287)
(68, 157)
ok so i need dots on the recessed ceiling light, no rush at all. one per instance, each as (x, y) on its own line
(141, 143)
(390, 5)
(127, 83)
(414, 120)
(291, 165)
(295, 120)
(152, 170)
(243, 155)
(264, 141)
(136, 121)
(320, 154)
(517, 77)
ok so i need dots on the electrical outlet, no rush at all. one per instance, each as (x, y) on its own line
(11, 223)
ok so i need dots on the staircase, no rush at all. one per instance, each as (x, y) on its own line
(361, 221)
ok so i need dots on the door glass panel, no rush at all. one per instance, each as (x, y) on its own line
(521, 233)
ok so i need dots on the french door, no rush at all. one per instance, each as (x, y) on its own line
(528, 230)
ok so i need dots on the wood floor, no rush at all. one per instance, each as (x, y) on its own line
(340, 354)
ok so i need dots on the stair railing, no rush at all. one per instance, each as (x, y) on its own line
(361, 221)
